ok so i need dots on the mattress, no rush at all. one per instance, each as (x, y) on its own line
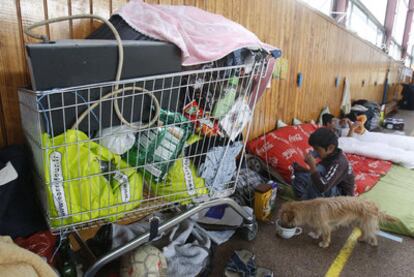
(394, 194)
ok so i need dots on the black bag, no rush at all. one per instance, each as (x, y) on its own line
(407, 101)
(20, 214)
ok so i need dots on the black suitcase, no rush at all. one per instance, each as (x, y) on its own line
(407, 102)
(69, 63)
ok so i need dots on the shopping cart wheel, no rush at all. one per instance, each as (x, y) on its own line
(249, 231)
(254, 163)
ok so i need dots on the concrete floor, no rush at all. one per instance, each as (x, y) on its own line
(301, 256)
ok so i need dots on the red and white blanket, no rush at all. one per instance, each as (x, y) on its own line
(281, 147)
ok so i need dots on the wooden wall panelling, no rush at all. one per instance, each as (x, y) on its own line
(57, 8)
(33, 11)
(81, 28)
(12, 70)
(313, 45)
(3, 137)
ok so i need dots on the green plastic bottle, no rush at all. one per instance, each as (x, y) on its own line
(227, 99)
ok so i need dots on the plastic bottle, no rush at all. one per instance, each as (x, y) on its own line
(227, 99)
(274, 186)
(382, 115)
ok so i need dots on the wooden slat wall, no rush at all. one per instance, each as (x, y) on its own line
(313, 44)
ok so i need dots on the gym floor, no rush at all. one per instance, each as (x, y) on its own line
(301, 255)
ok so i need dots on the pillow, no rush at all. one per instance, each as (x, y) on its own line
(298, 135)
(280, 124)
(278, 152)
(296, 121)
(282, 147)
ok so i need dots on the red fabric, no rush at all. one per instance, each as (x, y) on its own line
(367, 171)
(41, 243)
(289, 144)
(283, 146)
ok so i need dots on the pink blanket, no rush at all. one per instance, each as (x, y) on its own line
(202, 36)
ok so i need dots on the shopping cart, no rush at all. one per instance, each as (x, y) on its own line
(123, 150)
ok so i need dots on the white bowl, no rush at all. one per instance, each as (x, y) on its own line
(287, 233)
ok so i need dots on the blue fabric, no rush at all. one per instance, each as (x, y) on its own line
(304, 189)
(219, 166)
(216, 212)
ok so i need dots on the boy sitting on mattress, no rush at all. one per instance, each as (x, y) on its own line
(347, 126)
(333, 176)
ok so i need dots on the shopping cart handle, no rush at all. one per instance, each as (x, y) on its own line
(118, 252)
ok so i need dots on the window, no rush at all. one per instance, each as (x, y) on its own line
(411, 40)
(395, 50)
(360, 22)
(324, 6)
(378, 8)
(399, 21)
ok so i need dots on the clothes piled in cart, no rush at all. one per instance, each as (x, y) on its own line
(109, 149)
(166, 131)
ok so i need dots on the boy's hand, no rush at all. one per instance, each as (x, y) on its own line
(298, 168)
(356, 125)
(310, 160)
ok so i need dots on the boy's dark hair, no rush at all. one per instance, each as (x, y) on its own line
(323, 137)
(327, 118)
(351, 116)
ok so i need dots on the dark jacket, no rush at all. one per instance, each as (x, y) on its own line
(338, 173)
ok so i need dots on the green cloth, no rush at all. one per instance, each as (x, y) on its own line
(394, 194)
(181, 185)
(77, 189)
(177, 187)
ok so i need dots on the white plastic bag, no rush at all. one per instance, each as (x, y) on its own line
(118, 139)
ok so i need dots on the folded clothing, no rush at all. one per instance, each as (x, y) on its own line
(85, 180)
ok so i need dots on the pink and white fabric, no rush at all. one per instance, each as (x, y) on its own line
(202, 36)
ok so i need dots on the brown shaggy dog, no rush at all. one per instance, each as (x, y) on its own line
(326, 214)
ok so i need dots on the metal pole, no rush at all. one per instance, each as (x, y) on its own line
(407, 29)
(389, 21)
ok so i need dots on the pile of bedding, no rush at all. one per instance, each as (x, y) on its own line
(281, 147)
(389, 147)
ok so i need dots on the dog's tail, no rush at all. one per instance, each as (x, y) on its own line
(384, 218)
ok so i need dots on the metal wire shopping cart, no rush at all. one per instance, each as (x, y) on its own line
(102, 156)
